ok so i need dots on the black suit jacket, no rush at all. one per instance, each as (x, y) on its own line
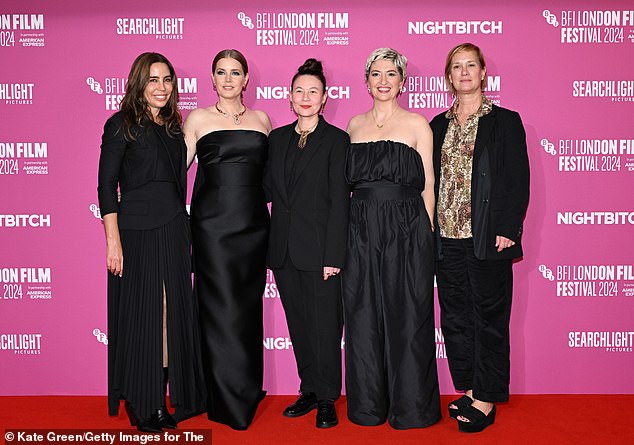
(127, 165)
(499, 181)
(309, 218)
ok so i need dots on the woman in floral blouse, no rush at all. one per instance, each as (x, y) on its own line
(482, 189)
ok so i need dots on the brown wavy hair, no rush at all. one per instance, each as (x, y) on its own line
(134, 107)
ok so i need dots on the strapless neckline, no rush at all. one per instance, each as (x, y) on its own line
(388, 141)
(238, 130)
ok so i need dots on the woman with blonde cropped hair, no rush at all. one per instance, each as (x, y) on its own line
(388, 287)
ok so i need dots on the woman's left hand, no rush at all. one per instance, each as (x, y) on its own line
(330, 271)
(503, 243)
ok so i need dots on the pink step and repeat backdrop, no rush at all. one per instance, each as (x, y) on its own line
(567, 67)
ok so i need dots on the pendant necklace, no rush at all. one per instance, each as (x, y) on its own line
(303, 134)
(236, 116)
(384, 122)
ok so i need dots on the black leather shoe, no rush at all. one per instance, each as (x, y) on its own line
(304, 404)
(165, 419)
(149, 425)
(326, 414)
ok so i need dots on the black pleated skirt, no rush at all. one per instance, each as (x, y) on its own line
(153, 258)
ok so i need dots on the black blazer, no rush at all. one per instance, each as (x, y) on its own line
(499, 181)
(128, 165)
(309, 219)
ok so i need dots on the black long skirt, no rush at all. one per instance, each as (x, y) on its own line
(153, 258)
(230, 229)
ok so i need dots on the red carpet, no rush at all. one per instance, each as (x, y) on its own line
(534, 420)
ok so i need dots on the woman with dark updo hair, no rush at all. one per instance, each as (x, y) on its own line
(307, 243)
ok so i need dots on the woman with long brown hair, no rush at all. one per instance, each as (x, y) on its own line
(152, 337)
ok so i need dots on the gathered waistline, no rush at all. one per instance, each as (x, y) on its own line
(382, 191)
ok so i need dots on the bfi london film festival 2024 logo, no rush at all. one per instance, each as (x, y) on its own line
(28, 158)
(606, 156)
(297, 28)
(581, 27)
(431, 93)
(112, 88)
(590, 280)
(25, 283)
(21, 30)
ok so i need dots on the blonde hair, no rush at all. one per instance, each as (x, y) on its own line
(398, 59)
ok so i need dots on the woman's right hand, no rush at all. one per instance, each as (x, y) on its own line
(114, 258)
(114, 251)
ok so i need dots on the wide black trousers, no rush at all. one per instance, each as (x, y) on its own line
(388, 293)
(314, 315)
(475, 302)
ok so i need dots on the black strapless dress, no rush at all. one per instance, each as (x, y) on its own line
(230, 222)
(388, 290)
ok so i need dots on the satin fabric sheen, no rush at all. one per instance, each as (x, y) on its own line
(230, 223)
(388, 290)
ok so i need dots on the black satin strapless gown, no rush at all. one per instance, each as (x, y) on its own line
(230, 222)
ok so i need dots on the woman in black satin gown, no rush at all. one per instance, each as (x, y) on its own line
(388, 287)
(151, 310)
(230, 220)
